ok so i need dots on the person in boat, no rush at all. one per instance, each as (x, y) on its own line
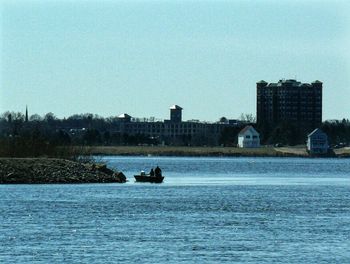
(151, 173)
(158, 172)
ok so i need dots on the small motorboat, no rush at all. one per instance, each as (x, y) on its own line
(143, 177)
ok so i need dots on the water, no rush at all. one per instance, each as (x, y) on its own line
(208, 210)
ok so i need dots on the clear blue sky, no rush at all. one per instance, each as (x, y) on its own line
(141, 57)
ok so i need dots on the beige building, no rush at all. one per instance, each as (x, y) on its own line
(173, 131)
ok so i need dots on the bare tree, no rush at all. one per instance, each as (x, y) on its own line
(249, 118)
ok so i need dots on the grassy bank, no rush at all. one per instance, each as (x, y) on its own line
(187, 151)
(343, 152)
(298, 151)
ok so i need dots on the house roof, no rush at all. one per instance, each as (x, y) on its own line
(175, 107)
(316, 131)
(124, 116)
(246, 129)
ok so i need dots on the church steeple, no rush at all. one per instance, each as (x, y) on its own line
(26, 114)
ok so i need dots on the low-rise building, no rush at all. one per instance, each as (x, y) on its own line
(174, 131)
(317, 142)
(248, 137)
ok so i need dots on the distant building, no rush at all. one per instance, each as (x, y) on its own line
(175, 114)
(124, 117)
(289, 101)
(317, 142)
(248, 137)
(174, 131)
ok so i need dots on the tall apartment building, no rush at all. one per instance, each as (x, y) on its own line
(289, 101)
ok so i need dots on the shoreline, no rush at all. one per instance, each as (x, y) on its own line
(172, 151)
(55, 170)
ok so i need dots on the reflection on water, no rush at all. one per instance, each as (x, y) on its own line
(211, 210)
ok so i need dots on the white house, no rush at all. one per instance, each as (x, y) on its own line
(248, 137)
(317, 142)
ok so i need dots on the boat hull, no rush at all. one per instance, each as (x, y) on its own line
(152, 179)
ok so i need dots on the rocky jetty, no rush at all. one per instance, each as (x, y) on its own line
(46, 170)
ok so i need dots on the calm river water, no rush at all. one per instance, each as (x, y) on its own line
(208, 210)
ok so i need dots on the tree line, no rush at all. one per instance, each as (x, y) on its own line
(45, 135)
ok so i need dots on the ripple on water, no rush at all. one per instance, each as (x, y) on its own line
(179, 223)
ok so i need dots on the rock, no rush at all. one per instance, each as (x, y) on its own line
(103, 168)
(119, 177)
(45, 170)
